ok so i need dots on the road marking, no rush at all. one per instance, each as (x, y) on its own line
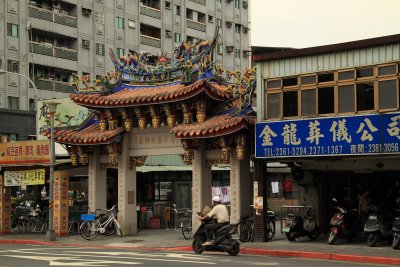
(59, 258)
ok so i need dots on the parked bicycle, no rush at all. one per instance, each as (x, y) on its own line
(186, 225)
(246, 227)
(139, 222)
(106, 224)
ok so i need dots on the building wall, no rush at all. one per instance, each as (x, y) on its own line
(104, 31)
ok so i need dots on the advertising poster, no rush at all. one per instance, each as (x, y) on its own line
(25, 152)
(23, 178)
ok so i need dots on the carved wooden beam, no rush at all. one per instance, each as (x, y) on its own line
(155, 118)
(141, 118)
(171, 118)
(137, 161)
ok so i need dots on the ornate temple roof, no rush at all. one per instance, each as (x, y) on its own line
(129, 95)
(215, 126)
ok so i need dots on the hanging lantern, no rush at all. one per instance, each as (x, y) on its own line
(128, 125)
(171, 120)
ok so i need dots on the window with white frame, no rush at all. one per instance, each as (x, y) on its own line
(120, 23)
(177, 38)
(12, 30)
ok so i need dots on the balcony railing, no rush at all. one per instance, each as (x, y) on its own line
(55, 86)
(150, 41)
(196, 25)
(151, 12)
(201, 2)
(53, 51)
(56, 16)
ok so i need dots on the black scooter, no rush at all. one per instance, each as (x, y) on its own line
(298, 226)
(396, 230)
(223, 241)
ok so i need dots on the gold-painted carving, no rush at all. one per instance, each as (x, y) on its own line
(215, 162)
(128, 125)
(113, 124)
(187, 157)
(137, 161)
(156, 122)
(226, 152)
(113, 158)
(103, 125)
(200, 116)
(142, 123)
(74, 159)
(109, 165)
(83, 159)
(187, 117)
(240, 152)
(171, 120)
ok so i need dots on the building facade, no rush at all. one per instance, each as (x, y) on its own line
(49, 41)
(331, 112)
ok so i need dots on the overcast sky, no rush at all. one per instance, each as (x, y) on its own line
(307, 23)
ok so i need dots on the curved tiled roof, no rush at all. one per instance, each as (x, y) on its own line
(131, 96)
(88, 136)
(215, 126)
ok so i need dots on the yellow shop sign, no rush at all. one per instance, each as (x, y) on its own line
(25, 152)
(19, 178)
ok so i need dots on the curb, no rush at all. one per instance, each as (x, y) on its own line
(244, 250)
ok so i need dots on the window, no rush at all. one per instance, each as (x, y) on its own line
(346, 75)
(99, 49)
(190, 39)
(12, 30)
(387, 94)
(13, 66)
(131, 24)
(308, 80)
(177, 38)
(163, 190)
(290, 81)
(326, 100)
(120, 52)
(325, 77)
(289, 103)
(219, 22)
(237, 3)
(177, 10)
(238, 28)
(120, 24)
(346, 98)
(167, 5)
(210, 19)
(308, 102)
(365, 96)
(274, 84)
(13, 102)
(189, 14)
(168, 33)
(362, 73)
(237, 53)
(387, 70)
(201, 17)
(273, 105)
(32, 104)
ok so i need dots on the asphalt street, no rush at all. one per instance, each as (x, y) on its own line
(35, 256)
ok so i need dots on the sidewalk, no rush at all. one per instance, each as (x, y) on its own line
(172, 240)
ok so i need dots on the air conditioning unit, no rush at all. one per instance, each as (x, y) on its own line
(168, 34)
(245, 29)
(86, 44)
(86, 11)
(246, 53)
(228, 24)
(229, 48)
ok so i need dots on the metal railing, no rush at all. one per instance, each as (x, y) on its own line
(150, 41)
(53, 51)
(56, 86)
(201, 2)
(55, 15)
(151, 12)
(196, 25)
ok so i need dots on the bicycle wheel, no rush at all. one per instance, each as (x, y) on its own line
(186, 228)
(110, 229)
(271, 230)
(118, 227)
(88, 230)
(244, 231)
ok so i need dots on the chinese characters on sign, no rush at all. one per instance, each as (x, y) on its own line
(25, 152)
(351, 135)
(20, 178)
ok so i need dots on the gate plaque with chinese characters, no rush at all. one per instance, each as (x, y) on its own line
(347, 135)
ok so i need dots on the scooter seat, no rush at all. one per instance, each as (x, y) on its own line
(223, 228)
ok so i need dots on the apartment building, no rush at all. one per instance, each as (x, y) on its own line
(50, 40)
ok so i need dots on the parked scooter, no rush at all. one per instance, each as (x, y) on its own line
(343, 224)
(223, 241)
(378, 226)
(396, 230)
(298, 226)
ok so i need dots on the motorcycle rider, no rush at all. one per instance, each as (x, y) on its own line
(221, 215)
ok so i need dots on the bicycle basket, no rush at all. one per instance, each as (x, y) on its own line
(87, 217)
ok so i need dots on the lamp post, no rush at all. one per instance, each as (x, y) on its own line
(52, 105)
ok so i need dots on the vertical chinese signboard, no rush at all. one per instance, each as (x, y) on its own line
(347, 135)
(60, 213)
(5, 208)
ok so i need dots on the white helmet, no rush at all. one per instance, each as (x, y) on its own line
(216, 199)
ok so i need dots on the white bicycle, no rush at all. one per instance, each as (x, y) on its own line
(106, 224)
